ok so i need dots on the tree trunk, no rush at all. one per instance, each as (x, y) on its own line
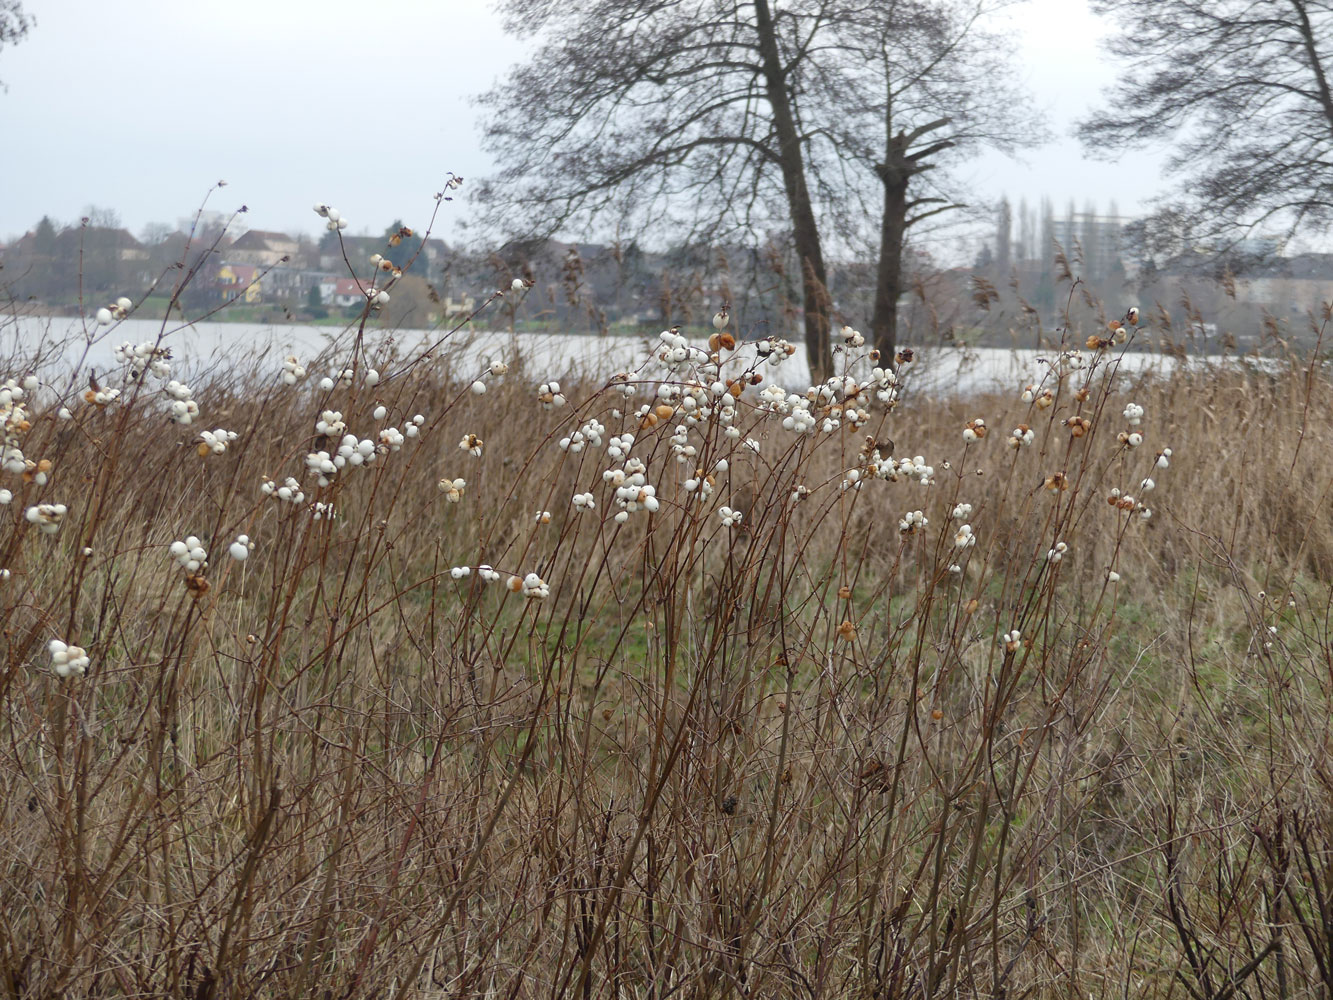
(805, 232)
(889, 276)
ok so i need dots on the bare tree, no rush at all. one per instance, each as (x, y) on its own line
(15, 23)
(717, 116)
(675, 114)
(1240, 88)
(101, 217)
(923, 82)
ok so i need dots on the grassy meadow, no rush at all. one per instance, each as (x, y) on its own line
(983, 697)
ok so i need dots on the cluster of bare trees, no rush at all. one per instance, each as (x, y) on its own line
(1239, 89)
(834, 121)
(717, 116)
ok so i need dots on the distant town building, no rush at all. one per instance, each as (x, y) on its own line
(263, 248)
(335, 291)
(1098, 240)
(239, 282)
(1288, 284)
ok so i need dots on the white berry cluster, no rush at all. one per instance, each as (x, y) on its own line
(66, 660)
(851, 480)
(1021, 436)
(14, 414)
(289, 491)
(550, 396)
(453, 489)
(676, 355)
(589, 434)
(633, 492)
(621, 383)
(912, 521)
(183, 407)
(117, 310)
(1043, 398)
(241, 548)
(333, 218)
(47, 516)
(730, 518)
(618, 447)
(215, 442)
(146, 358)
(352, 451)
(681, 450)
(799, 419)
(330, 422)
(532, 586)
(884, 383)
(189, 553)
(385, 264)
(292, 370)
(893, 469)
(391, 439)
(774, 350)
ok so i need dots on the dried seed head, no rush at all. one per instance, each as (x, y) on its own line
(1057, 482)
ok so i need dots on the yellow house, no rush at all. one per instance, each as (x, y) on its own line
(240, 283)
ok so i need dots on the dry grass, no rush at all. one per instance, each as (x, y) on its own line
(793, 758)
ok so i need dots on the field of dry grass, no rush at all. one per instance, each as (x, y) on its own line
(821, 751)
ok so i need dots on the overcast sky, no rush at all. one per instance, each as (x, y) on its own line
(141, 105)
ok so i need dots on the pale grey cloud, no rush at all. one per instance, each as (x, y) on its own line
(1066, 56)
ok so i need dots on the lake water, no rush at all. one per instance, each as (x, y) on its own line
(69, 350)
